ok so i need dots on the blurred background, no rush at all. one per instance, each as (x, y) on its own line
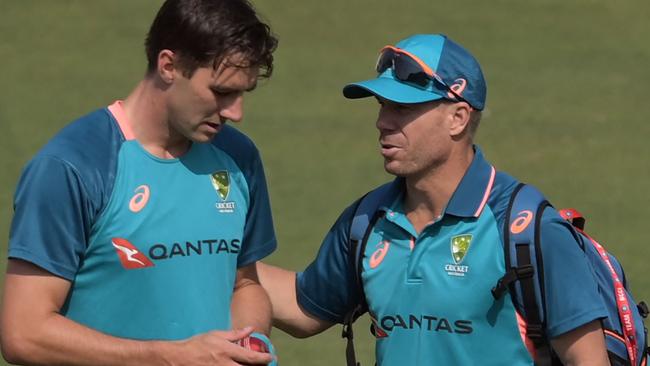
(567, 108)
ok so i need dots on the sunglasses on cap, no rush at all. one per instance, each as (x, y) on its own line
(409, 68)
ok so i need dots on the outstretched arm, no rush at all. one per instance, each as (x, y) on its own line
(34, 332)
(280, 284)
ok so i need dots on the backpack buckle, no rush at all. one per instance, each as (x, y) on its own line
(512, 275)
(499, 288)
(535, 332)
(526, 271)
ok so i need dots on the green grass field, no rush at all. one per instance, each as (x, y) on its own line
(566, 110)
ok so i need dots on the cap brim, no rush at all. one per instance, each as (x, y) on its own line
(390, 89)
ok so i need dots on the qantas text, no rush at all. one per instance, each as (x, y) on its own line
(200, 247)
(427, 322)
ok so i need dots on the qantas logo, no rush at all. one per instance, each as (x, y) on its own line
(424, 322)
(162, 251)
(130, 256)
(376, 330)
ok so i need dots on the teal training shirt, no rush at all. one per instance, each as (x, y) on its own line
(429, 293)
(151, 246)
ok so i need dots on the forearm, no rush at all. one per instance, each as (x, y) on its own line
(251, 306)
(34, 333)
(56, 340)
(280, 284)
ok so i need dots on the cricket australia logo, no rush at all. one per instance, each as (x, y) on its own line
(221, 183)
(459, 247)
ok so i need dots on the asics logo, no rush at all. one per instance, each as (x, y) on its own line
(129, 255)
(521, 222)
(378, 256)
(457, 87)
(140, 199)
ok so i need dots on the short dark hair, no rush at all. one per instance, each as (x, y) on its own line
(204, 32)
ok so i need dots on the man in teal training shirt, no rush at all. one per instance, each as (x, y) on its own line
(435, 252)
(138, 226)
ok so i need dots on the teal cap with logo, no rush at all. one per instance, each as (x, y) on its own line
(423, 68)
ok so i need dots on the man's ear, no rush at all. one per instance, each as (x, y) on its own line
(166, 66)
(460, 116)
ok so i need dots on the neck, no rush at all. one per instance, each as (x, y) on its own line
(428, 194)
(146, 109)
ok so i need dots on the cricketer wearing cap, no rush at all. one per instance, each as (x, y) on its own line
(137, 227)
(436, 251)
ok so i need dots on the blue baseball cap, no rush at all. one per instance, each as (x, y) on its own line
(452, 63)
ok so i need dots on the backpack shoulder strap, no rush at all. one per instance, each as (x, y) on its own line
(524, 276)
(365, 215)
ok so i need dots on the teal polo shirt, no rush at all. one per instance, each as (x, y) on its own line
(429, 294)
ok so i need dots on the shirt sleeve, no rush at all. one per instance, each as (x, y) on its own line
(52, 217)
(259, 236)
(327, 287)
(572, 292)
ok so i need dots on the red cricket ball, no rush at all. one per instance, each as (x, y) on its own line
(254, 344)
